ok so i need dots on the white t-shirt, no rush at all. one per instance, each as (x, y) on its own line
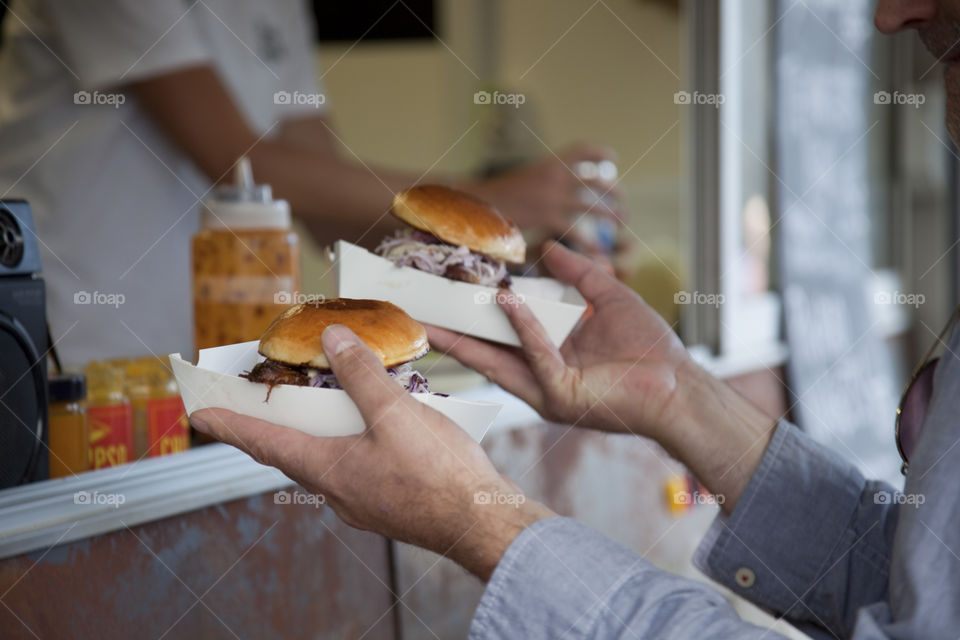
(115, 202)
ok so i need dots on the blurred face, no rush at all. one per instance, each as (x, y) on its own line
(938, 24)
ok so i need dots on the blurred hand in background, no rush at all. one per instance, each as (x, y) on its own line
(547, 194)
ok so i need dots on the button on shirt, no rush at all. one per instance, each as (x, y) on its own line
(115, 201)
(810, 540)
(744, 577)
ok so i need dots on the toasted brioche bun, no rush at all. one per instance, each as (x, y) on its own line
(458, 218)
(294, 337)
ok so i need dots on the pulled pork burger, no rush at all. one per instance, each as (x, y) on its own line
(295, 355)
(454, 235)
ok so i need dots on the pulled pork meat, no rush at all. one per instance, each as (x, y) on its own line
(272, 373)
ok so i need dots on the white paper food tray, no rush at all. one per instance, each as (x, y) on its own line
(214, 382)
(458, 306)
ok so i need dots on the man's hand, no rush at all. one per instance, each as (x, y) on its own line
(622, 369)
(545, 194)
(617, 371)
(412, 475)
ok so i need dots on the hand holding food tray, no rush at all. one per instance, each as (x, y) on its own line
(285, 379)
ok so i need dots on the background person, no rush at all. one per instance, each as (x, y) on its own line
(136, 109)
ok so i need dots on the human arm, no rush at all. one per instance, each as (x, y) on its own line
(412, 475)
(337, 197)
(561, 579)
(541, 194)
(331, 189)
(810, 540)
(792, 511)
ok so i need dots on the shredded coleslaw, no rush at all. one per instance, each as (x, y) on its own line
(426, 252)
(404, 375)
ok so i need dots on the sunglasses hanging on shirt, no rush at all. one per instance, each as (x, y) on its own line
(916, 398)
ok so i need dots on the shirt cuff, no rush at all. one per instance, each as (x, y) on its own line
(786, 526)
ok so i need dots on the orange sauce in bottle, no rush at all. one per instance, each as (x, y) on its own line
(69, 432)
(137, 388)
(168, 430)
(245, 261)
(242, 280)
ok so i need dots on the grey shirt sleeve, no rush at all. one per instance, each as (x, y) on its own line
(560, 578)
(810, 538)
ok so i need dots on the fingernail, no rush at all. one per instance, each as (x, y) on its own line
(198, 423)
(507, 298)
(336, 338)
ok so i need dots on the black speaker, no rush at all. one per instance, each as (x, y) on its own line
(23, 350)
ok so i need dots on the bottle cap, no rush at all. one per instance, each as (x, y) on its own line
(244, 204)
(67, 388)
(105, 374)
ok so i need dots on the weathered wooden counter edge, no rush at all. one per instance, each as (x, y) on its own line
(53, 512)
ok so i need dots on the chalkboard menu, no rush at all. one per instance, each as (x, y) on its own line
(369, 20)
(840, 371)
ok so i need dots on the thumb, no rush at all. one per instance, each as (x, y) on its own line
(361, 374)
